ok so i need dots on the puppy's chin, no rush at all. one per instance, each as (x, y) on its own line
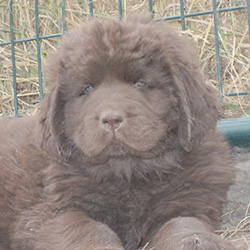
(119, 150)
(116, 149)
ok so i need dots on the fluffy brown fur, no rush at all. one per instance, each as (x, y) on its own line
(123, 150)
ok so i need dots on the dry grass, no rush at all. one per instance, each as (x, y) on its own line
(240, 234)
(233, 37)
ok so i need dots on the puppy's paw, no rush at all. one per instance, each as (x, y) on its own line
(200, 241)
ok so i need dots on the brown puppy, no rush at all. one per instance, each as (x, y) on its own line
(123, 150)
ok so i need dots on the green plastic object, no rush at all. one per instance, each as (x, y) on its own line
(236, 131)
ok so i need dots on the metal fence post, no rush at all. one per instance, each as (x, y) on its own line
(13, 57)
(39, 64)
(217, 47)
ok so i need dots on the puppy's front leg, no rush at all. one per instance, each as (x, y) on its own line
(67, 231)
(188, 233)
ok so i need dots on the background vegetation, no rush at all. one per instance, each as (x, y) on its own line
(233, 38)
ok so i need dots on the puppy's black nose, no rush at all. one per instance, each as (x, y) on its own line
(112, 121)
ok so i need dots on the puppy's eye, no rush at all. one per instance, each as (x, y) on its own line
(86, 90)
(140, 84)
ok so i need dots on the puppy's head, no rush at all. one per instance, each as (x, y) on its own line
(131, 87)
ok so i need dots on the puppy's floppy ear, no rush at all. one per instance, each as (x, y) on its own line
(199, 107)
(52, 110)
(198, 103)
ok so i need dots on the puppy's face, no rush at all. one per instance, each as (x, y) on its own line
(127, 89)
(115, 118)
(117, 94)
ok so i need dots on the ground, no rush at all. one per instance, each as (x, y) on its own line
(236, 218)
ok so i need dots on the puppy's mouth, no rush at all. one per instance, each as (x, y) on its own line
(116, 148)
(119, 150)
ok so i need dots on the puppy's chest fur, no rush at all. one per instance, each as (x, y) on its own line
(127, 207)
